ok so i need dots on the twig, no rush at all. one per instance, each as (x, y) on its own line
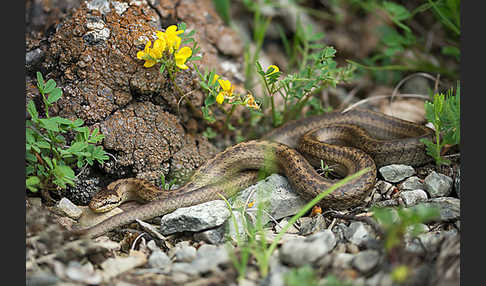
(363, 217)
(422, 74)
(410, 95)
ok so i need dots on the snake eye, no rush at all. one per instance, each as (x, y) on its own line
(104, 204)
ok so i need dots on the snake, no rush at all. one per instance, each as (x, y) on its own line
(354, 140)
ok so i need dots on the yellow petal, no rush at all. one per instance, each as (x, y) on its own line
(160, 35)
(215, 78)
(140, 55)
(182, 66)
(225, 84)
(149, 63)
(172, 29)
(159, 46)
(184, 52)
(275, 69)
(147, 47)
(220, 98)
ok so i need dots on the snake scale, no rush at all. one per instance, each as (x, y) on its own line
(355, 140)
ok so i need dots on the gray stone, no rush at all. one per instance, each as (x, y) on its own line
(238, 230)
(82, 273)
(339, 231)
(457, 183)
(33, 57)
(183, 253)
(411, 198)
(195, 218)
(366, 260)
(41, 277)
(115, 266)
(383, 186)
(357, 233)
(152, 246)
(396, 172)
(379, 279)
(212, 236)
(278, 196)
(184, 267)
(69, 209)
(438, 185)
(158, 259)
(449, 207)
(298, 252)
(342, 260)
(412, 183)
(283, 223)
(419, 228)
(277, 272)
(313, 225)
(387, 203)
(428, 242)
(209, 257)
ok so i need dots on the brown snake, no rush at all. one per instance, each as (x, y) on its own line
(355, 140)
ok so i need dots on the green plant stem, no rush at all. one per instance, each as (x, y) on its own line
(437, 140)
(228, 116)
(179, 90)
(274, 112)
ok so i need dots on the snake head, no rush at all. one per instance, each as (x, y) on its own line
(104, 201)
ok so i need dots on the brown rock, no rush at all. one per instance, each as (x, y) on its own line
(145, 136)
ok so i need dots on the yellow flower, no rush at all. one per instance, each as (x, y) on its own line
(150, 55)
(171, 37)
(250, 102)
(275, 69)
(227, 87)
(215, 78)
(226, 92)
(181, 57)
(158, 49)
(220, 98)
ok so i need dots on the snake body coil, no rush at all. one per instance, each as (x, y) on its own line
(354, 140)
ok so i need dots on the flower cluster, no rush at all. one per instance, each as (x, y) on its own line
(226, 92)
(166, 42)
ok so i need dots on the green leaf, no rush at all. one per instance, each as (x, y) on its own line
(162, 68)
(203, 85)
(43, 144)
(77, 147)
(40, 82)
(209, 100)
(64, 175)
(397, 11)
(54, 95)
(49, 124)
(50, 85)
(48, 161)
(30, 157)
(29, 136)
(32, 110)
(451, 51)
(78, 122)
(207, 114)
(32, 183)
